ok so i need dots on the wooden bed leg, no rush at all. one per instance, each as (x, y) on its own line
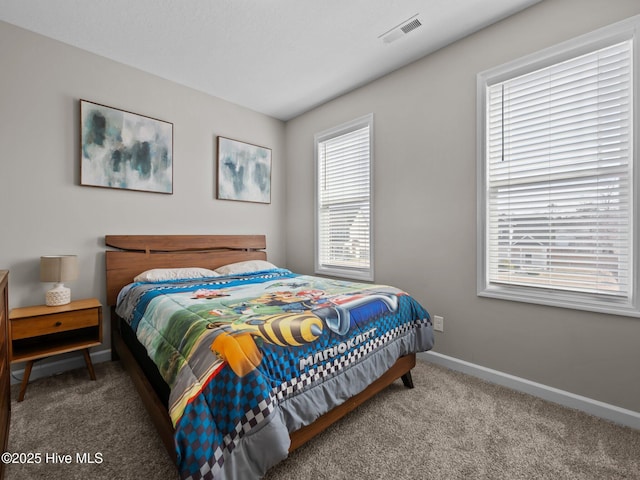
(407, 380)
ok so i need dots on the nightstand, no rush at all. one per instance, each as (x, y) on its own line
(42, 331)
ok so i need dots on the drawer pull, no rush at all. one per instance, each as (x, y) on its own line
(58, 323)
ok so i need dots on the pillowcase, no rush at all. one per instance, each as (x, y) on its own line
(164, 274)
(247, 266)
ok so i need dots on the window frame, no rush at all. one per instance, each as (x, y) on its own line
(342, 129)
(628, 29)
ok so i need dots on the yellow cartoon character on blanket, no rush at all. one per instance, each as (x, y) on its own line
(237, 343)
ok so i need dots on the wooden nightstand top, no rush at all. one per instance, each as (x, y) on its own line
(39, 310)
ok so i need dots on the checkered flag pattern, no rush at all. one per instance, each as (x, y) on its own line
(206, 435)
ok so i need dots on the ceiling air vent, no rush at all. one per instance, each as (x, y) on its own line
(401, 30)
(410, 26)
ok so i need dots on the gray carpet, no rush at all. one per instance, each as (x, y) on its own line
(451, 426)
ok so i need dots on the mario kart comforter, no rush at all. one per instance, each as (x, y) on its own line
(250, 358)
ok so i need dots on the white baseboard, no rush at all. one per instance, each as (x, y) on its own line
(59, 365)
(593, 407)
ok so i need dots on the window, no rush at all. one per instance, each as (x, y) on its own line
(556, 183)
(343, 200)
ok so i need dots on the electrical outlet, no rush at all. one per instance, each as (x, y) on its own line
(438, 323)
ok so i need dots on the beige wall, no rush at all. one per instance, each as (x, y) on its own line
(43, 208)
(425, 209)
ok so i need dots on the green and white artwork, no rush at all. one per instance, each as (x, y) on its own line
(244, 171)
(125, 150)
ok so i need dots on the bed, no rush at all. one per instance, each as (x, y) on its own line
(239, 362)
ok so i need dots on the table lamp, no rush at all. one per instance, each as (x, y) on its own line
(58, 269)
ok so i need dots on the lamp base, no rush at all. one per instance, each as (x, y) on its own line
(58, 295)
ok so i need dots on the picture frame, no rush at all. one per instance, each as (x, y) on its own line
(125, 150)
(244, 171)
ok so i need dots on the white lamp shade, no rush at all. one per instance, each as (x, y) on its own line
(58, 269)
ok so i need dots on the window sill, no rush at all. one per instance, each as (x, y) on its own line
(366, 276)
(552, 298)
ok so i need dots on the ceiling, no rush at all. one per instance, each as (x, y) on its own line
(278, 57)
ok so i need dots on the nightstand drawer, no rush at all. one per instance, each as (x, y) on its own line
(54, 323)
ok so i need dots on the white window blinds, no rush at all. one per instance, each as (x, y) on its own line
(344, 201)
(558, 165)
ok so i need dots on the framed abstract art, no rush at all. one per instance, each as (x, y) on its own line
(125, 150)
(244, 171)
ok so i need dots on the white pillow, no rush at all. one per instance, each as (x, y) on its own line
(164, 274)
(245, 267)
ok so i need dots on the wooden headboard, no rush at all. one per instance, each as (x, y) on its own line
(137, 253)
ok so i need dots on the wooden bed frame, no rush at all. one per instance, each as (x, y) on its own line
(137, 253)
